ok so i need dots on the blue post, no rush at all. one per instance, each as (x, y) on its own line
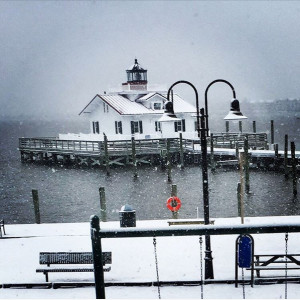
(244, 255)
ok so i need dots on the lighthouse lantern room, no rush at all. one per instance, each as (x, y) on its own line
(136, 78)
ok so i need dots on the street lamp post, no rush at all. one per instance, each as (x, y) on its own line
(203, 131)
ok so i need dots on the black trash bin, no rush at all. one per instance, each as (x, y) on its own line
(127, 216)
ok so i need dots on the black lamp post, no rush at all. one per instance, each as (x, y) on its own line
(203, 130)
(209, 273)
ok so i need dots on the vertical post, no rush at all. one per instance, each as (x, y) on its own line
(209, 272)
(276, 150)
(276, 160)
(294, 168)
(240, 126)
(246, 165)
(106, 155)
(254, 126)
(227, 126)
(286, 148)
(212, 155)
(181, 151)
(103, 211)
(135, 175)
(240, 199)
(241, 187)
(97, 257)
(35, 197)
(237, 150)
(272, 132)
(174, 194)
(169, 166)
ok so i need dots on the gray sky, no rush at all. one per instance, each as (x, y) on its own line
(56, 55)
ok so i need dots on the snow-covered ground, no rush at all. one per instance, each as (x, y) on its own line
(133, 261)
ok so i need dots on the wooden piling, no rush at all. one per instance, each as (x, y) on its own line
(103, 211)
(174, 190)
(276, 150)
(254, 126)
(240, 199)
(174, 194)
(181, 151)
(54, 158)
(286, 148)
(227, 126)
(212, 156)
(134, 162)
(240, 126)
(272, 132)
(294, 168)
(237, 150)
(241, 186)
(246, 165)
(106, 155)
(35, 197)
(169, 165)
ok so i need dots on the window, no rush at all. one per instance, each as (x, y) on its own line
(179, 126)
(96, 128)
(105, 107)
(157, 126)
(157, 106)
(136, 127)
(118, 127)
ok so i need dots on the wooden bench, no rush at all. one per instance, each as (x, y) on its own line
(2, 227)
(268, 262)
(71, 258)
(189, 222)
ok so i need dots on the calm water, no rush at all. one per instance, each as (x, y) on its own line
(70, 194)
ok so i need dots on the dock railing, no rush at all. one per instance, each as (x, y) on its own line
(230, 140)
(97, 234)
(143, 146)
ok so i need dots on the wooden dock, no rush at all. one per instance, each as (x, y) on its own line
(148, 151)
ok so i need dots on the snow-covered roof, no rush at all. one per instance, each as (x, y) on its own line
(182, 106)
(147, 96)
(126, 107)
(119, 103)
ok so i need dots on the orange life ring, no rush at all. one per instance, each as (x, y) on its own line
(173, 203)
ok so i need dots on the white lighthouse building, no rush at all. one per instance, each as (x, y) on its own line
(135, 111)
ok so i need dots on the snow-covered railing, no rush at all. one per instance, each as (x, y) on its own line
(230, 140)
(185, 230)
(78, 146)
(54, 144)
(143, 146)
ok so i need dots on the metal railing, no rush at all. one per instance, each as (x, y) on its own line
(97, 234)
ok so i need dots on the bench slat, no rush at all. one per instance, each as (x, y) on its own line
(47, 258)
(51, 270)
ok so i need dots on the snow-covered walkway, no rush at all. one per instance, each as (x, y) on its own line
(133, 261)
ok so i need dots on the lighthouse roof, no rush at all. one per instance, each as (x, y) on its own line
(136, 67)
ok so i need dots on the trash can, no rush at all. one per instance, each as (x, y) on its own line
(127, 216)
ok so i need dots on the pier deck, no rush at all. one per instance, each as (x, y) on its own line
(147, 151)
